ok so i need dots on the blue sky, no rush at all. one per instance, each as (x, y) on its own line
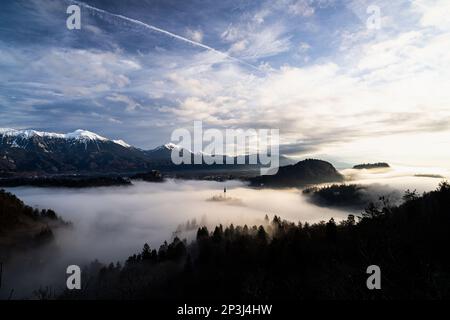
(311, 68)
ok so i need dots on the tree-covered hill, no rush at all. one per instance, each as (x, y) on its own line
(23, 227)
(306, 172)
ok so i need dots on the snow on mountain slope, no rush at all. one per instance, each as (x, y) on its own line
(122, 143)
(77, 135)
(172, 146)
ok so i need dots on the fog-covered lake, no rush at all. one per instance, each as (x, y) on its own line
(111, 223)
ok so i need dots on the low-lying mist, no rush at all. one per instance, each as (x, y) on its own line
(111, 223)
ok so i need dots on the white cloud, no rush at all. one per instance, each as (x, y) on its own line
(239, 46)
(302, 8)
(254, 41)
(261, 15)
(95, 30)
(195, 35)
(131, 104)
(434, 13)
(388, 52)
(303, 47)
(70, 73)
(384, 86)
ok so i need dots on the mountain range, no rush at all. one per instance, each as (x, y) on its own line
(37, 152)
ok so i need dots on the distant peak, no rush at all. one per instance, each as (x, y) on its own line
(168, 146)
(171, 146)
(85, 135)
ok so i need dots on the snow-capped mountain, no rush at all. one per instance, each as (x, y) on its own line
(31, 151)
(81, 150)
(162, 155)
(20, 138)
(25, 151)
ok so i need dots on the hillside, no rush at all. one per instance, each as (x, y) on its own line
(79, 151)
(309, 171)
(351, 196)
(22, 227)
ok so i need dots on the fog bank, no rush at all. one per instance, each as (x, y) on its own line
(111, 223)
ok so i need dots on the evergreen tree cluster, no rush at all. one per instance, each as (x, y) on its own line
(23, 227)
(13, 212)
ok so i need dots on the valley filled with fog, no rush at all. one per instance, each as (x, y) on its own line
(111, 223)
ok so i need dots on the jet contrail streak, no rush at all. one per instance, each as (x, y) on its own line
(167, 33)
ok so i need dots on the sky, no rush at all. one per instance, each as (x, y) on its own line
(334, 87)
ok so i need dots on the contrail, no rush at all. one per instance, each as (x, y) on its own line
(165, 32)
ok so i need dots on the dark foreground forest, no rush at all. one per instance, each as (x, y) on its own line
(284, 260)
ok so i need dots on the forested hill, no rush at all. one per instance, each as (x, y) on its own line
(372, 165)
(285, 260)
(309, 171)
(23, 227)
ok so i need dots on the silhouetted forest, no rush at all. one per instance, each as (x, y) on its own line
(371, 165)
(23, 227)
(70, 181)
(285, 260)
(150, 176)
(351, 196)
(340, 195)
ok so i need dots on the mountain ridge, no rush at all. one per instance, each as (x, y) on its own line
(77, 135)
(32, 151)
